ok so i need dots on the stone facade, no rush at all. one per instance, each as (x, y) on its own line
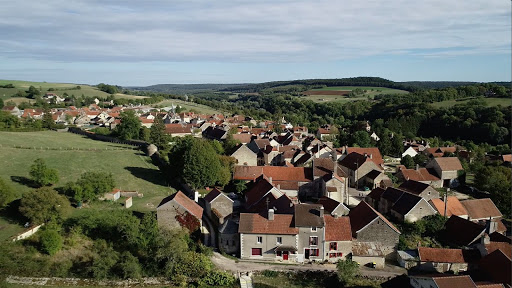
(245, 156)
(268, 244)
(220, 208)
(343, 248)
(379, 231)
(166, 215)
(306, 244)
(422, 209)
(361, 172)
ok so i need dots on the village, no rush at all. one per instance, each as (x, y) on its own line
(306, 201)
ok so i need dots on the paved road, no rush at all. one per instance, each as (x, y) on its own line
(246, 266)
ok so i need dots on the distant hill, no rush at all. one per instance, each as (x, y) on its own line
(444, 84)
(181, 89)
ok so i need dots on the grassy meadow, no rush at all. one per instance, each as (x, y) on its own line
(73, 155)
(60, 88)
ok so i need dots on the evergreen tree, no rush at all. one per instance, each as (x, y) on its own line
(157, 134)
(129, 128)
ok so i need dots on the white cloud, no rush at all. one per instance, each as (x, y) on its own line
(245, 31)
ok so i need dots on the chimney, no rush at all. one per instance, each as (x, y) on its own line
(417, 167)
(196, 196)
(270, 180)
(336, 215)
(490, 226)
(321, 211)
(371, 156)
(279, 186)
(270, 214)
(445, 202)
(335, 163)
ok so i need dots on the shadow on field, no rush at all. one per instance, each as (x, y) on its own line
(151, 175)
(12, 214)
(24, 181)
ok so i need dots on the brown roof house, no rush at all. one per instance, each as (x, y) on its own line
(330, 179)
(411, 208)
(447, 169)
(338, 238)
(268, 237)
(442, 281)
(481, 209)
(177, 211)
(356, 166)
(423, 175)
(218, 206)
(309, 219)
(333, 207)
(423, 190)
(444, 260)
(368, 225)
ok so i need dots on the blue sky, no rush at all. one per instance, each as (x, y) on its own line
(129, 43)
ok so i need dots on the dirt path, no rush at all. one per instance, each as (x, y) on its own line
(246, 266)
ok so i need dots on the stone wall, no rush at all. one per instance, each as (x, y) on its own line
(267, 245)
(378, 231)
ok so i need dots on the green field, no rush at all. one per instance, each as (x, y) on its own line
(370, 93)
(188, 106)
(130, 168)
(489, 101)
(61, 88)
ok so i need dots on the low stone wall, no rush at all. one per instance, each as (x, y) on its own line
(131, 194)
(27, 233)
(104, 138)
(55, 281)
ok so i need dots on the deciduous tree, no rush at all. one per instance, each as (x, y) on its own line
(42, 175)
(43, 205)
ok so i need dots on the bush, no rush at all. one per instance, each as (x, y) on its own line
(51, 241)
(217, 278)
(347, 271)
(270, 273)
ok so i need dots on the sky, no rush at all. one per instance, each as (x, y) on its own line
(138, 43)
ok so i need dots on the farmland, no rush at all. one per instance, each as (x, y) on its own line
(338, 93)
(73, 155)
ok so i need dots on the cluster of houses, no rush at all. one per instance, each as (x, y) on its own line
(297, 203)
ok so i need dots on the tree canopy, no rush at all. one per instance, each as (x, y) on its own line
(42, 175)
(90, 185)
(43, 205)
(6, 194)
(130, 125)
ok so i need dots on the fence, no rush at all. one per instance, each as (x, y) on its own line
(27, 233)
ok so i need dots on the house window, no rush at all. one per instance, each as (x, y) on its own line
(259, 239)
(332, 255)
(313, 241)
(313, 229)
(314, 252)
(339, 254)
(256, 251)
(333, 246)
(279, 240)
(279, 253)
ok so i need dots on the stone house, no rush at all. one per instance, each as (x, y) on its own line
(338, 238)
(368, 253)
(177, 211)
(309, 219)
(229, 239)
(245, 156)
(439, 151)
(481, 210)
(447, 169)
(442, 281)
(373, 198)
(388, 199)
(258, 191)
(330, 180)
(215, 133)
(368, 225)
(411, 208)
(376, 178)
(446, 260)
(423, 190)
(356, 166)
(371, 152)
(218, 206)
(268, 237)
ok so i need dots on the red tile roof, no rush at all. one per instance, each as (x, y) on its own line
(278, 173)
(422, 174)
(462, 281)
(337, 229)
(481, 208)
(454, 206)
(442, 255)
(506, 248)
(177, 129)
(257, 224)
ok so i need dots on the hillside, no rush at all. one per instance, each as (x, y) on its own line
(182, 89)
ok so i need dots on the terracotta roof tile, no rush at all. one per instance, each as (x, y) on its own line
(481, 208)
(422, 174)
(414, 187)
(497, 266)
(454, 206)
(488, 285)
(278, 173)
(506, 248)
(443, 255)
(463, 281)
(256, 224)
(337, 229)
